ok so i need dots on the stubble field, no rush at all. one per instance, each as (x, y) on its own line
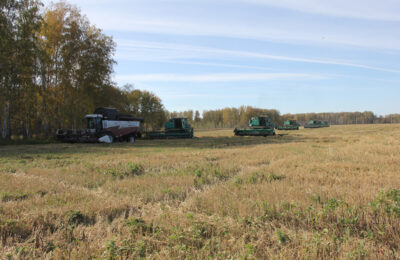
(314, 193)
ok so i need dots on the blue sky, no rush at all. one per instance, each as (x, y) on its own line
(292, 55)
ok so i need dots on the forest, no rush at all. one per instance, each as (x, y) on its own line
(55, 67)
(232, 117)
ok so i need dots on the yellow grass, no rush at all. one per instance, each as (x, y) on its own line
(314, 193)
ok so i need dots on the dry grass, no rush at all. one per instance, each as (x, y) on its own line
(315, 193)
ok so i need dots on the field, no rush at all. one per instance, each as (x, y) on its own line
(314, 193)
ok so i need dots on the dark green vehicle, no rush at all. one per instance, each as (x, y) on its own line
(325, 124)
(174, 128)
(289, 125)
(258, 126)
(316, 124)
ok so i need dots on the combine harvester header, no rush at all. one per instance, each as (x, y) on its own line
(259, 126)
(289, 125)
(316, 124)
(174, 128)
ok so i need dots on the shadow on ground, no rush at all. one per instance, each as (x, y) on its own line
(206, 142)
(220, 142)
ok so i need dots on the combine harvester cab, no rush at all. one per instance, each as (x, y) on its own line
(174, 128)
(258, 126)
(289, 125)
(316, 124)
(105, 125)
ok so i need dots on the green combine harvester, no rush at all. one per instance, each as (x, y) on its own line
(316, 124)
(289, 125)
(174, 128)
(259, 126)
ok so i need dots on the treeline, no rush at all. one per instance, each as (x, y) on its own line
(342, 118)
(55, 67)
(345, 118)
(225, 118)
(233, 117)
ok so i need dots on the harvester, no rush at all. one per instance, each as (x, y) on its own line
(289, 125)
(316, 124)
(105, 125)
(174, 128)
(258, 126)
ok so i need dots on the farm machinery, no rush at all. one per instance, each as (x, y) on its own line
(105, 125)
(258, 126)
(289, 125)
(316, 124)
(174, 128)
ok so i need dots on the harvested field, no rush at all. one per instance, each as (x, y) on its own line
(314, 193)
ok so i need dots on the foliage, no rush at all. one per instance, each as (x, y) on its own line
(233, 117)
(124, 170)
(282, 237)
(144, 104)
(340, 118)
(239, 117)
(55, 67)
(388, 201)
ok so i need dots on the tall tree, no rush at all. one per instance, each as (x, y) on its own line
(197, 116)
(77, 65)
(19, 23)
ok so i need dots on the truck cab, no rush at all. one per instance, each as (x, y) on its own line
(177, 124)
(94, 122)
(261, 122)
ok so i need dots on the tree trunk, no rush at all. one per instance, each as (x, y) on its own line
(4, 129)
(1, 107)
(5, 113)
(45, 115)
(23, 130)
(9, 118)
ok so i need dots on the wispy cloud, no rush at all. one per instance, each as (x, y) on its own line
(220, 77)
(263, 20)
(165, 52)
(294, 31)
(216, 64)
(383, 10)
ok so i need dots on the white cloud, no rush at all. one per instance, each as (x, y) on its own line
(166, 52)
(220, 77)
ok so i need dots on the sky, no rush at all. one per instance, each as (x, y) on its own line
(292, 55)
